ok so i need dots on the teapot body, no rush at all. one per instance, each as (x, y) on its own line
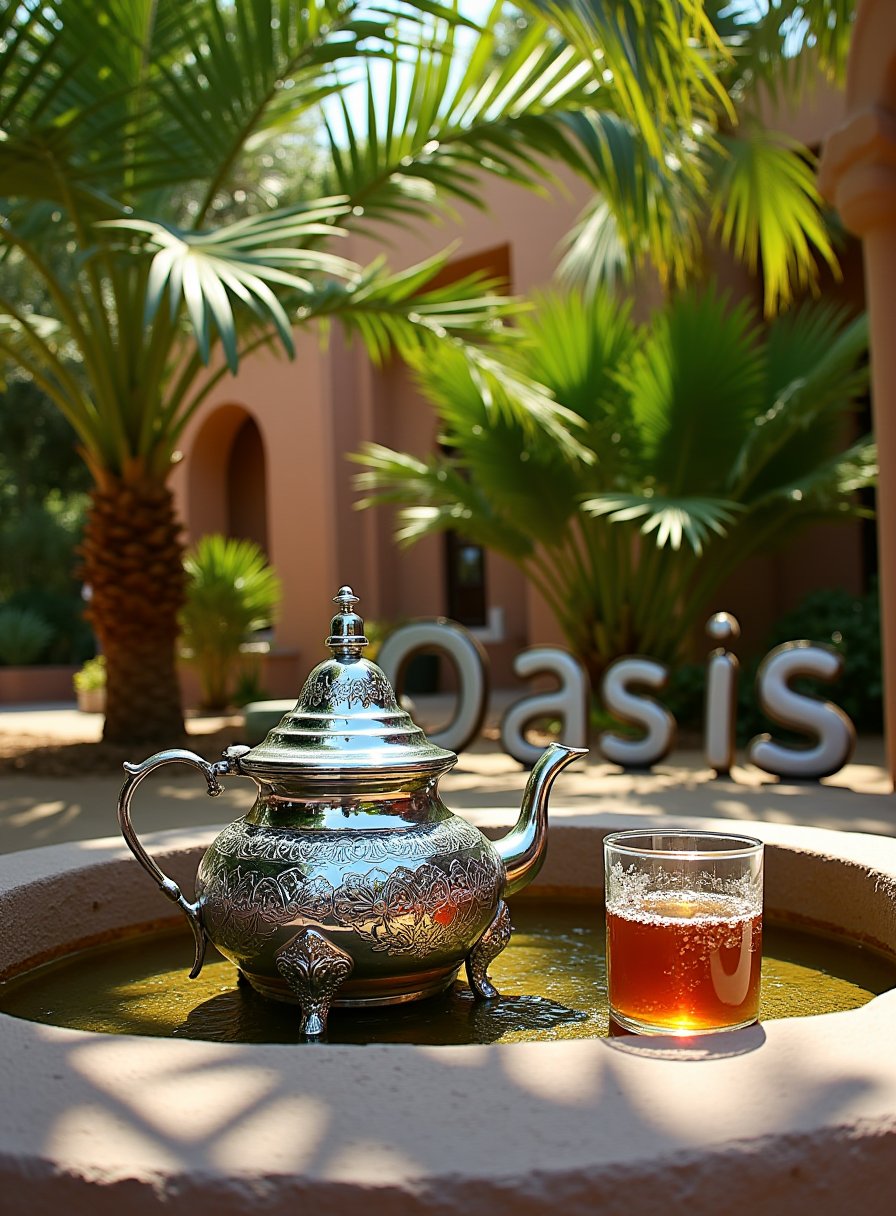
(350, 882)
(397, 883)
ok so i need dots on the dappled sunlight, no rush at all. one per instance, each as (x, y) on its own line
(30, 816)
(745, 1095)
(89, 1126)
(378, 1160)
(208, 1100)
(535, 1074)
(400, 1119)
(309, 1121)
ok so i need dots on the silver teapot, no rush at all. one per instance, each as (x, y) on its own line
(349, 882)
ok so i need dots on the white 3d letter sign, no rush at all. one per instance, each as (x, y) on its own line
(619, 699)
(720, 702)
(834, 735)
(470, 662)
(568, 702)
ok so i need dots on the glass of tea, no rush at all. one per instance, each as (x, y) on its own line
(684, 930)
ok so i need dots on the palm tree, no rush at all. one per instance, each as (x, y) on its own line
(159, 250)
(717, 171)
(706, 440)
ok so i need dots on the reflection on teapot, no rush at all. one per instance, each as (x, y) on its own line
(349, 882)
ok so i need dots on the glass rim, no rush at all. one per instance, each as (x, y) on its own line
(740, 846)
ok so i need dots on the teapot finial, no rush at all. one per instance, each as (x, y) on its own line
(346, 638)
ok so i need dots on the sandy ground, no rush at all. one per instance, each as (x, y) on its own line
(63, 793)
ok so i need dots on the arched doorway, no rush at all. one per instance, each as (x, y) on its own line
(247, 514)
(227, 483)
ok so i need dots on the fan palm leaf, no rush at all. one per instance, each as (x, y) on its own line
(435, 497)
(674, 520)
(815, 361)
(689, 410)
(763, 202)
(691, 486)
(767, 210)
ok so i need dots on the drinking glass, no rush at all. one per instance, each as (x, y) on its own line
(684, 930)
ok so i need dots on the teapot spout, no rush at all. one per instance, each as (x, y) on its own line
(524, 847)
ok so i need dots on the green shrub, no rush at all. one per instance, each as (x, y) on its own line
(37, 573)
(848, 624)
(231, 593)
(92, 675)
(72, 638)
(23, 637)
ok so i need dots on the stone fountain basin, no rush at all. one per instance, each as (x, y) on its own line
(793, 1115)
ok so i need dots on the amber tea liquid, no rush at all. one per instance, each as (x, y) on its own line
(684, 962)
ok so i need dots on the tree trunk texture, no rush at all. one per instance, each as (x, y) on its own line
(133, 564)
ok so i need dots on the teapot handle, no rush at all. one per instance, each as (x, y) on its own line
(168, 887)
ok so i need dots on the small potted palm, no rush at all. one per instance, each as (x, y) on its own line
(90, 685)
(232, 594)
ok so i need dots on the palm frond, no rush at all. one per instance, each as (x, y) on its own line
(399, 312)
(596, 254)
(140, 97)
(829, 487)
(435, 497)
(237, 265)
(646, 210)
(284, 56)
(658, 58)
(675, 520)
(77, 108)
(530, 476)
(692, 411)
(427, 133)
(578, 345)
(767, 210)
(815, 366)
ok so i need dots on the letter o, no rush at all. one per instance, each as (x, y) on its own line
(469, 660)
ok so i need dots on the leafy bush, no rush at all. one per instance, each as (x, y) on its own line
(850, 625)
(72, 639)
(232, 592)
(23, 637)
(38, 560)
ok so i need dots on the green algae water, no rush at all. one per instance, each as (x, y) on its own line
(552, 978)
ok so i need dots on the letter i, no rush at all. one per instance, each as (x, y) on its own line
(721, 695)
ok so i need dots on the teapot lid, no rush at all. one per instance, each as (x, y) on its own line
(347, 722)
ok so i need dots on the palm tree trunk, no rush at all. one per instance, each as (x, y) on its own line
(133, 564)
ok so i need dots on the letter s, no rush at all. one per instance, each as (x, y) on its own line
(640, 711)
(835, 735)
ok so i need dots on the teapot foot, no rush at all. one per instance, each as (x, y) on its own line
(489, 946)
(314, 969)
